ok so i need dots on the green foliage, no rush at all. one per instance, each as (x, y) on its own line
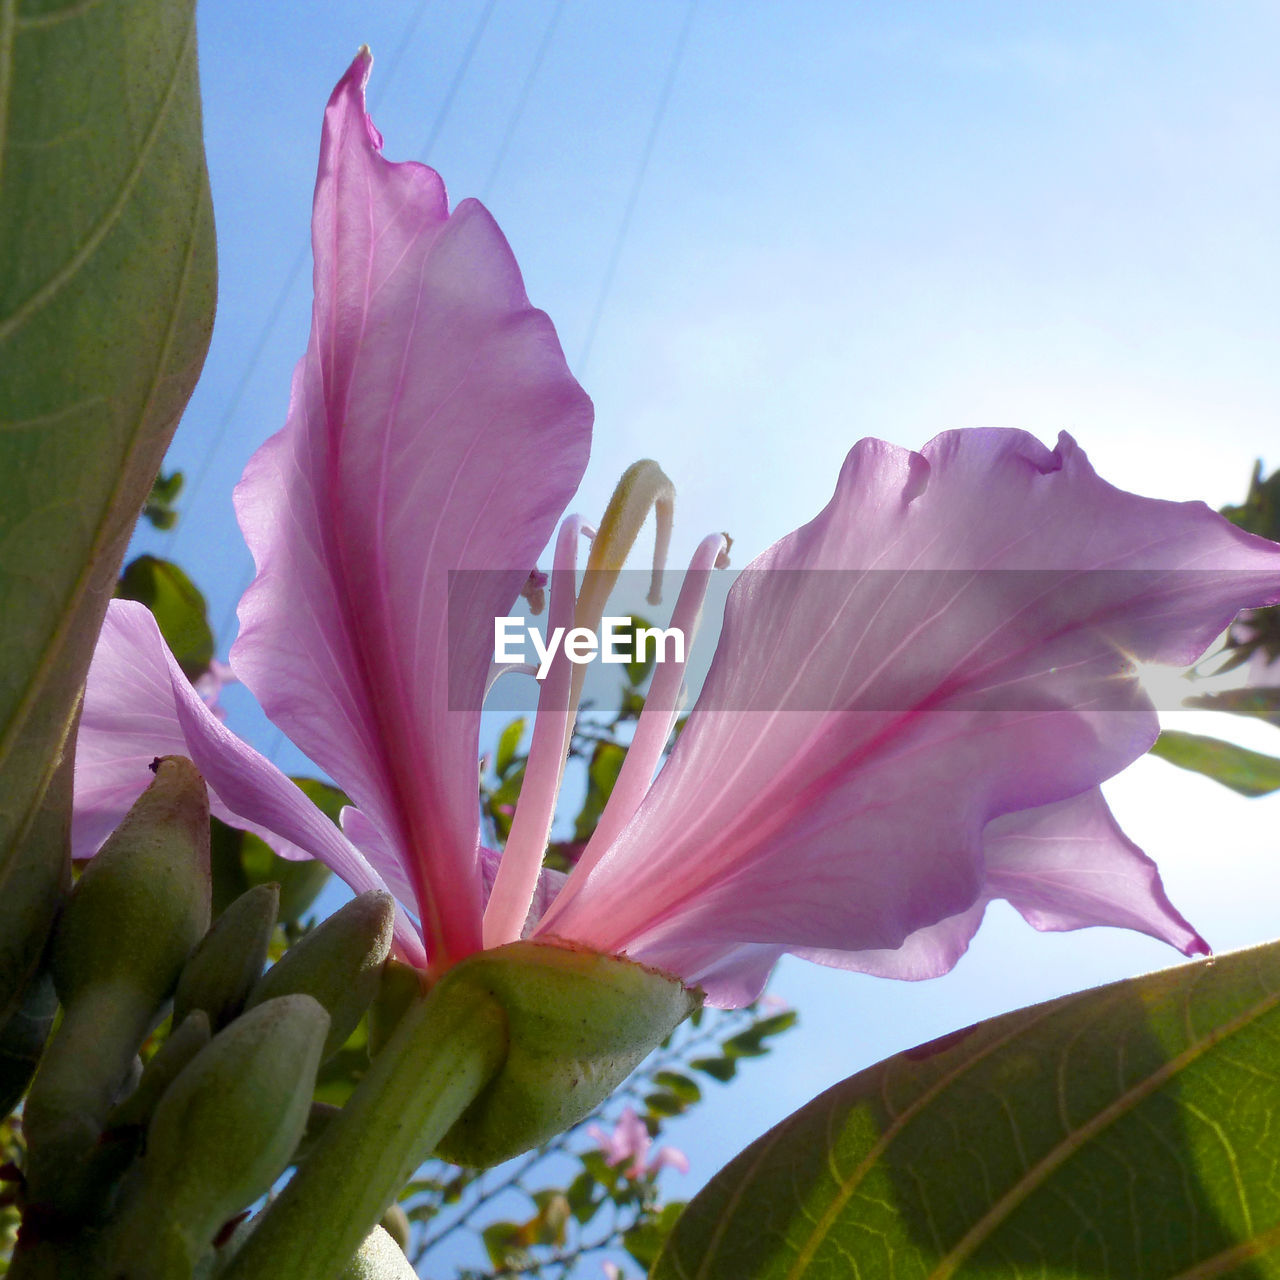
(241, 861)
(160, 510)
(1125, 1131)
(508, 742)
(106, 305)
(602, 773)
(1249, 772)
(178, 606)
(1260, 511)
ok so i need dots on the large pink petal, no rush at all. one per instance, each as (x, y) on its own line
(433, 428)
(949, 641)
(1063, 866)
(138, 705)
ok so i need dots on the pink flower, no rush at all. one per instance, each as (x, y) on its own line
(630, 1141)
(914, 698)
(211, 684)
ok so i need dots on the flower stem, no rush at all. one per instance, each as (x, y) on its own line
(445, 1050)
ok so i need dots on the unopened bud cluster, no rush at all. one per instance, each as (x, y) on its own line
(140, 1172)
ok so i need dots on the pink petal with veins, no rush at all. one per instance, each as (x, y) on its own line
(434, 427)
(951, 640)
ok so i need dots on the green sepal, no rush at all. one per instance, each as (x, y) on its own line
(229, 960)
(221, 1135)
(578, 1024)
(339, 963)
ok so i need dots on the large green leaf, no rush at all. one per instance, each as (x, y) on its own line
(106, 305)
(1130, 1132)
(1248, 772)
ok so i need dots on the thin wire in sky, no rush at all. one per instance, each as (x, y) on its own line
(523, 101)
(615, 256)
(458, 76)
(273, 316)
(299, 261)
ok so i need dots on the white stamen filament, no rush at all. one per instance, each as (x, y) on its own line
(517, 877)
(662, 708)
(643, 487)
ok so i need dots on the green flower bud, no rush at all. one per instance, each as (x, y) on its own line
(142, 903)
(134, 916)
(221, 1135)
(339, 963)
(182, 1045)
(230, 958)
(379, 1258)
(578, 1024)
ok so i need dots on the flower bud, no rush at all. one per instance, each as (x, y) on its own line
(142, 903)
(379, 1258)
(221, 1135)
(179, 1048)
(134, 916)
(339, 963)
(228, 962)
(578, 1023)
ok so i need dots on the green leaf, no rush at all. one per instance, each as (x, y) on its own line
(637, 671)
(1126, 1132)
(1262, 703)
(645, 1239)
(776, 1023)
(159, 507)
(602, 774)
(746, 1044)
(107, 281)
(1260, 511)
(722, 1069)
(681, 1085)
(664, 1104)
(584, 1202)
(508, 742)
(1248, 772)
(179, 609)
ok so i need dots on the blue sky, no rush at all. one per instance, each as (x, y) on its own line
(854, 219)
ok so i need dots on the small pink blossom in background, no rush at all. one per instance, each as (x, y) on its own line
(855, 783)
(211, 684)
(630, 1141)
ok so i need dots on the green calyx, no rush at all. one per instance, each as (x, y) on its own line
(510, 1047)
(578, 1024)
